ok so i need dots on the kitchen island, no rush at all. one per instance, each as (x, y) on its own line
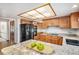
(20, 49)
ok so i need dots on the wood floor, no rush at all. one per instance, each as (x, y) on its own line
(4, 44)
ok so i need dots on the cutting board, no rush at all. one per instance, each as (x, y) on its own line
(47, 49)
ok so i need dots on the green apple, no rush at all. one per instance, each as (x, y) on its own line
(33, 44)
(40, 46)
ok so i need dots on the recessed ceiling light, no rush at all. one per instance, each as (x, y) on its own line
(74, 6)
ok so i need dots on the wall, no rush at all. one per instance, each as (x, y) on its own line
(4, 30)
(17, 30)
(59, 30)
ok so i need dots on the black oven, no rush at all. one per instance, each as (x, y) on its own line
(72, 42)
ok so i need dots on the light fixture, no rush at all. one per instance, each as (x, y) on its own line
(74, 6)
(46, 10)
(42, 12)
(28, 16)
(35, 14)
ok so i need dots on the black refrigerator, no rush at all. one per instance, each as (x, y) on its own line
(27, 32)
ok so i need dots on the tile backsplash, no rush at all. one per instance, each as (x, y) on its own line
(57, 30)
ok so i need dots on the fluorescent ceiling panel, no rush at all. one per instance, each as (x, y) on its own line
(46, 10)
(28, 16)
(39, 16)
(35, 14)
(42, 12)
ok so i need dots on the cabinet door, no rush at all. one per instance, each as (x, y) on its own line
(42, 25)
(39, 25)
(55, 22)
(48, 38)
(75, 20)
(60, 41)
(64, 22)
(57, 40)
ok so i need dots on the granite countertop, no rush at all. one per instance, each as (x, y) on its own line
(20, 49)
(62, 34)
(70, 36)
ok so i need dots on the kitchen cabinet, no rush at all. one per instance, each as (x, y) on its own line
(57, 40)
(42, 25)
(55, 22)
(52, 22)
(48, 22)
(50, 39)
(25, 21)
(39, 25)
(75, 20)
(64, 22)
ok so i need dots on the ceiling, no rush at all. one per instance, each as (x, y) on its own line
(11, 10)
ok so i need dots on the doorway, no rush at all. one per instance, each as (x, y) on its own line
(4, 34)
(3, 30)
(12, 32)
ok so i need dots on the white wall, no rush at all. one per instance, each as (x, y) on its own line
(4, 30)
(17, 30)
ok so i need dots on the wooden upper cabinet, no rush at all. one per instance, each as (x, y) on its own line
(42, 25)
(55, 22)
(64, 22)
(45, 24)
(39, 25)
(75, 20)
(48, 22)
(25, 21)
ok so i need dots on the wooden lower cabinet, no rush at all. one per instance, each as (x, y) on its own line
(50, 39)
(57, 40)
